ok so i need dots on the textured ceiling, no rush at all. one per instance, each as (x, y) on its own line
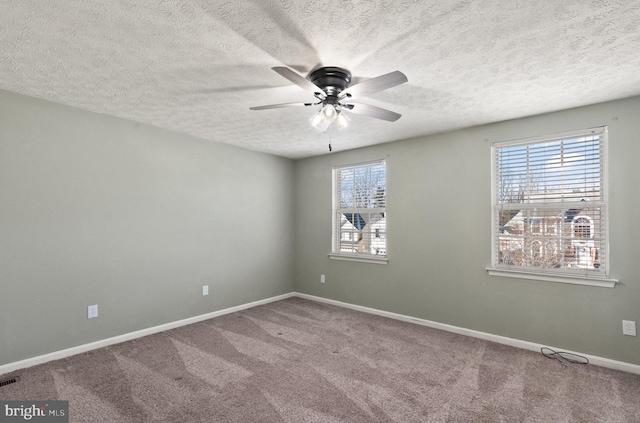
(196, 66)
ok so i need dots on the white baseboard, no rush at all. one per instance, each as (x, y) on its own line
(595, 360)
(56, 355)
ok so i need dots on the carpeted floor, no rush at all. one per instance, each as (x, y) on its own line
(300, 361)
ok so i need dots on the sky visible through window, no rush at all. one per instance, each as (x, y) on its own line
(363, 187)
(561, 170)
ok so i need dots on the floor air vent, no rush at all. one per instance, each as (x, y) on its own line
(5, 382)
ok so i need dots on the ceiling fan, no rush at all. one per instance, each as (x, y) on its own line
(330, 86)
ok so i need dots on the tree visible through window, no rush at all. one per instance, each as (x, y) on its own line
(549, 206)
(360, 209)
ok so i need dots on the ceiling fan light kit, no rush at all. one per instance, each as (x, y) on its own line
(343, 121)
(318, 121)
(330, 86)
(329, 112)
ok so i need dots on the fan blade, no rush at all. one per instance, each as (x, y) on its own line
(300, 81)
(375, 85)
(277, 106)
(372, 111)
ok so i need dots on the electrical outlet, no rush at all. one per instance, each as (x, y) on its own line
(321, 278)
(205, 289)
(629, 327)
(92, 311)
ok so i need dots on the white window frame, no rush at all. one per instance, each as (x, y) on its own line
(593, 277)
(336, 253)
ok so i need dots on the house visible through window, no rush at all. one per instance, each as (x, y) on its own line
(550, 205)
(359, 214)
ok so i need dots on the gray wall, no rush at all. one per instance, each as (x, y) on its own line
(99, 210)
(439, 238)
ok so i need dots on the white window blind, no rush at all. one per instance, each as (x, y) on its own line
(359, 215)
(550, 205)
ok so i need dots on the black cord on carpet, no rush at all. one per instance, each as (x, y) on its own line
(563, 356)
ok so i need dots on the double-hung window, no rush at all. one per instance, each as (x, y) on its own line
(359, 212)
(549, 219)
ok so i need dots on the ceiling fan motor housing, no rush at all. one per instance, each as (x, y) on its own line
(332, 80)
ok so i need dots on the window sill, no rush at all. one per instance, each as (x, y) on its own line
(576, 280)
(360, 258)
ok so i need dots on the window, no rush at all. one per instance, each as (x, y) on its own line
(550, 208)
(359, 213)
(582, 227)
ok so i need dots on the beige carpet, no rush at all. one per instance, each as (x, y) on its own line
(300, 361)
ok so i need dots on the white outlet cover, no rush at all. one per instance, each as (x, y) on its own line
(629, 327)
(205, 289)
(92, 311)
(322, 279)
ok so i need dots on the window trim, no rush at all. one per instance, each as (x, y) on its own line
(359, 257)
(575, 280)
(363, 258)
(603, 280)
